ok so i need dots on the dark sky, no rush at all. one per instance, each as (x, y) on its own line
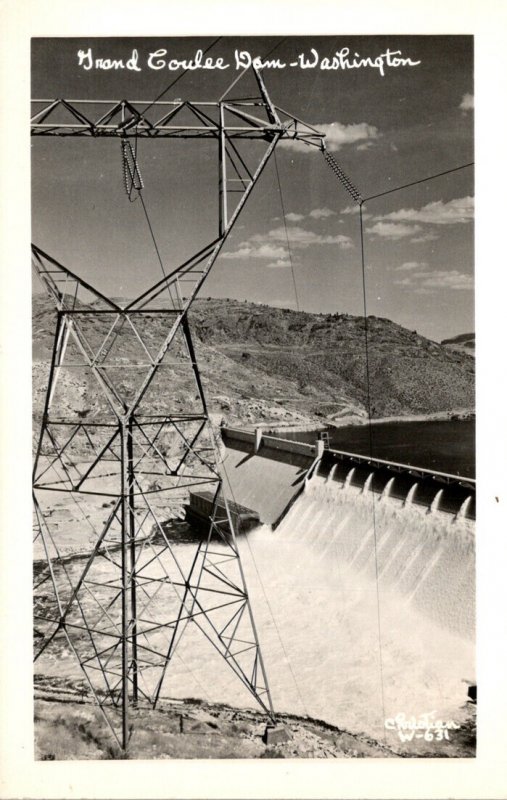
(385, 131)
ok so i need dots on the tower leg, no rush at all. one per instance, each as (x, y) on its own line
(132, 541)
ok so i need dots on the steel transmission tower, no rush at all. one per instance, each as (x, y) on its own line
(121, 449)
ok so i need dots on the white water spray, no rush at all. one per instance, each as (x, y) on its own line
(332, 473)
(387, 489)
(324, 600)
(367, 483)
(436, 502)
(411, 494)
(350, 475)
(462, 513)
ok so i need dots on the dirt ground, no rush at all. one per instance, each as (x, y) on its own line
(69, 726)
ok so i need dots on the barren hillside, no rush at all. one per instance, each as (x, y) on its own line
(261, 363)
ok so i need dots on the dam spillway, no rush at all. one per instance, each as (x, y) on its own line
(365, 602)
(411, 530)
(266, 480)
(368, 571)
(425, 558)
(266, 473)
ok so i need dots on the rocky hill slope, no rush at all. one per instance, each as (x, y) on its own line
(465, 342)
(265, 364)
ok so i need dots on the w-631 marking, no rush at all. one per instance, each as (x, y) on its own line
(423, 727)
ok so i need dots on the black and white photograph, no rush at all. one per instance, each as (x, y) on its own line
(253, 329)
(265, 463)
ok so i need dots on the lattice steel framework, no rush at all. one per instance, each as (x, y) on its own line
(117, 446)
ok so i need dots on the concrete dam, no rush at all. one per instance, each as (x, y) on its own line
(360, 569)
(266, 473)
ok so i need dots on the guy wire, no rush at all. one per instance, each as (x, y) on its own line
(286, 232)
(370, 434)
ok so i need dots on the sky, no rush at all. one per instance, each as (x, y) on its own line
(386, 127)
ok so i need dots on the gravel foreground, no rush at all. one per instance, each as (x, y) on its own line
(68, 726)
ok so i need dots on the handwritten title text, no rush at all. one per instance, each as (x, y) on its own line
(161, 59)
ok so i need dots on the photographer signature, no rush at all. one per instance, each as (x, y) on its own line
(423, 727)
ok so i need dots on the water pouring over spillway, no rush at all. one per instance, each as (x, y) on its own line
(365, 600)
(411, 494)
(342, 630)
(462, 513)
(367, 483)
(313, 586)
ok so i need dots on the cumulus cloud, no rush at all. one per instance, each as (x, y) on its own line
(280, 263)
(425, 237)
(264, 250)
(337, 135)
(467, 102)
(301, 237)
(273, 244)
(460, 210)
(426, 281)
(321, 213)
(354, 210)
(316, 213)
(365, 145)
(393, 230)
(408, 266)
(448, 279)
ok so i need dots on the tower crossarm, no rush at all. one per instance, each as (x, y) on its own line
(244, 119)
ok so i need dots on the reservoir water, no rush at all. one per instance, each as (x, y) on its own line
(445, 446)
